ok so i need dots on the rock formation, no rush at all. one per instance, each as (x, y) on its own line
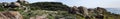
(10, 15)
(12, 5)
(83, 10)
(5, 4)
(91, 11)
(74, 9)
(96, 13)
(22, 1)
(100, 10)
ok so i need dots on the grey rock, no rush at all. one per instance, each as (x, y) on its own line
(83, 10)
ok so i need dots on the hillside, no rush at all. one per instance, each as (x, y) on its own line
(54, 6)
(57, 10)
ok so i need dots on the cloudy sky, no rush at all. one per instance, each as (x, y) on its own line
(86, 3)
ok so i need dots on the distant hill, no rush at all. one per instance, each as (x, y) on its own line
(49, 6)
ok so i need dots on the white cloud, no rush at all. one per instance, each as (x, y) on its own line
(100, 3)
(70, 2)
(111, 3)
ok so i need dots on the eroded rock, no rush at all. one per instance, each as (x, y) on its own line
(74, 10)
(83, 10)
(10, 15)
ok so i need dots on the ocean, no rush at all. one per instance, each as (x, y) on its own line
(113, 10)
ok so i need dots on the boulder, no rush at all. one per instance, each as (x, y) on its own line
(83, 10)
(74, 9)
(100, 10)
(10, 15)
(22, 1)
(5, 3)
(91, 12)
(13, 5)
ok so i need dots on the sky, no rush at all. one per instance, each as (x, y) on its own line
(85, 3)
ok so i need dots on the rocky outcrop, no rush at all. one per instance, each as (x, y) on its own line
(22, 2)
(5, 4)
(95, 12)
(13, 5)
(100, 10)
(10, 15)
(83, 10)
(17, 4)
(91, 11)
(74, 10)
